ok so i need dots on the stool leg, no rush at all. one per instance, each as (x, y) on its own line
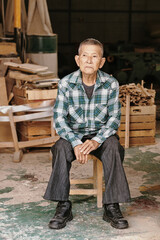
(50, 155)
(94, 173)
(99, 183)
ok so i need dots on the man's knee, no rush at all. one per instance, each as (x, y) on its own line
(63, 150)
(61, 144)
(112, 143)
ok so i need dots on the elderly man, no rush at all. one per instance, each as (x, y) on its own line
(87, 116)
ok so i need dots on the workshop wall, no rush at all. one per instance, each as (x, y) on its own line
(110, 21)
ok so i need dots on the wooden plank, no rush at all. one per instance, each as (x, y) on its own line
(27, 67)
(4, 118)
(139, 133)
(28, 117)
(5, 132)
(38, 142)
(140, 118)
(21, 101)
(127, 121)
(5, 129)
(49, 145)
(139, 141)
(3, 95)
(6, 144)
(13, 130)
(82, 191)
(95, 173)
(140, 110)
(136, 126)
(28, 77)
(37, 94)
(7, 48)
(23, 137)
(82, 181)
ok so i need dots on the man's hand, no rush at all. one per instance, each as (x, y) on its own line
(88, 146)
(82, 150)
(80, 156)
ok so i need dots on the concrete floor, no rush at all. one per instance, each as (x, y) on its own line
(24, 214)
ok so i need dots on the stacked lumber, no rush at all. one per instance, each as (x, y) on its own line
(33, 84)
(139, 96)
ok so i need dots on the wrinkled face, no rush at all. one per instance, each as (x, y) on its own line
(90, 59)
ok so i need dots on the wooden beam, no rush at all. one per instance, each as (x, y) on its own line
(13, 130)
(42, 141)
(127, 121)
(32, 116)
(3, 95)
(82, 191)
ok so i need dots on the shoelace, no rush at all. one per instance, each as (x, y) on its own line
(116, 212)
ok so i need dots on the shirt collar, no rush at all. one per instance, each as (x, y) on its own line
(77, 77)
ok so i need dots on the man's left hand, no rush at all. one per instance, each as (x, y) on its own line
(88, 146)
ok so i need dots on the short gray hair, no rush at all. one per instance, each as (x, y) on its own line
(91, 41)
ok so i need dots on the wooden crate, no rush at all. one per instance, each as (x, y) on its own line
(31, 130)
(23, 95)
(142, 125)
(34, 112)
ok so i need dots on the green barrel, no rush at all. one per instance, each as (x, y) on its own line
(41, 44)
(42, 50)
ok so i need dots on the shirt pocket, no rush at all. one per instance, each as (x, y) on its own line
(76, 114)
(100, 112)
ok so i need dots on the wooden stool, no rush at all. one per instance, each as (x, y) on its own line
(96, 180)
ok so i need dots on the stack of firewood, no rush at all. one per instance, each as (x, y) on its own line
(139, 96)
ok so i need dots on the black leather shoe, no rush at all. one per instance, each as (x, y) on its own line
(112, 214)
(62, 216)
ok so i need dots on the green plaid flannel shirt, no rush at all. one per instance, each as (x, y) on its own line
(75, 115)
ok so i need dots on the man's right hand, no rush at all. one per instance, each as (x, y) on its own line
(80, 156)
